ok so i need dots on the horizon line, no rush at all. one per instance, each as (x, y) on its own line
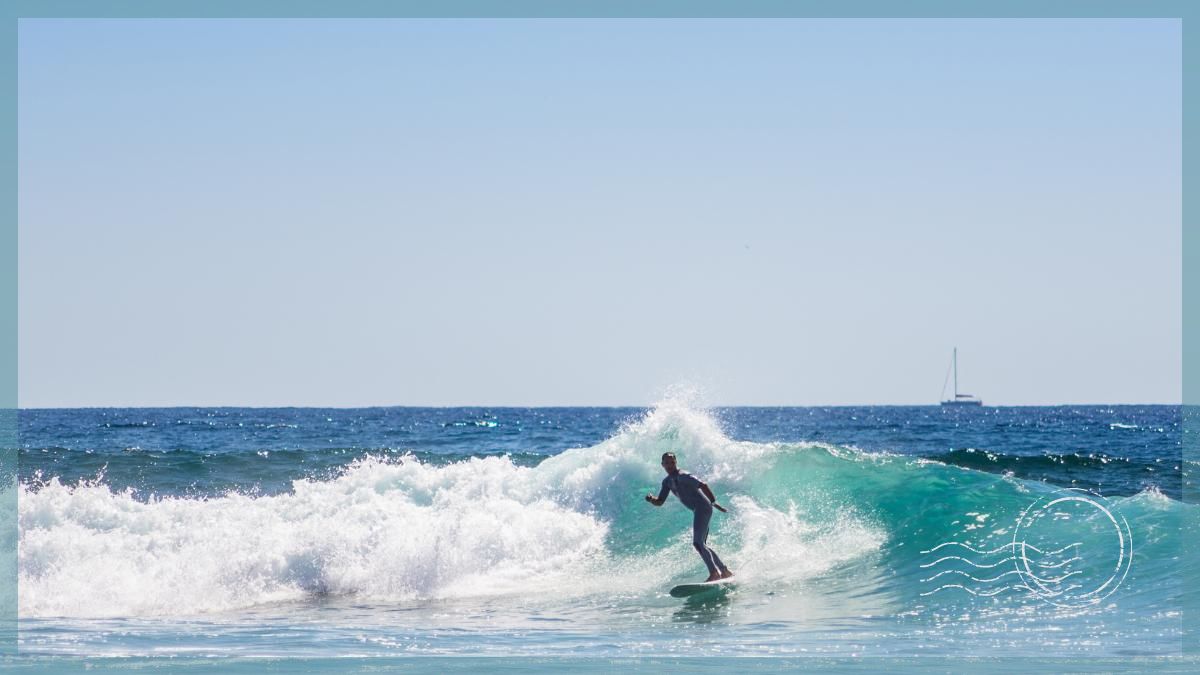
(621, 406)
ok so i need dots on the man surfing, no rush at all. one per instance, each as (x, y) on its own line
(695, 495)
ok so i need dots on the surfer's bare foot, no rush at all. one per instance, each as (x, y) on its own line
(726, 574)
(713, 577)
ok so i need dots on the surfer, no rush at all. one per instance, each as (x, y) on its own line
(695, 495)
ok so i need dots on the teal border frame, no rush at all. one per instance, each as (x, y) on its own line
(13, 11)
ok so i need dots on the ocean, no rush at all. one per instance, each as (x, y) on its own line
(854, 532)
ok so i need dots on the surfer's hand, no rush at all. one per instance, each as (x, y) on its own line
(719, 507)
(650, 498)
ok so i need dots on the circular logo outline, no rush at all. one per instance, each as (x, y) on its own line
(1124, 559)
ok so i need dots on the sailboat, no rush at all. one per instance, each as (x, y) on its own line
(959, 399)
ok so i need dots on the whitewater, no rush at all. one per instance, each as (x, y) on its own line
(516, 550)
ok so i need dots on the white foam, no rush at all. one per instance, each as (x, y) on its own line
(783, 547)
(396, 530)
(387, 531)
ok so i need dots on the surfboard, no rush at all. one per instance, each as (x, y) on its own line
(687, 590)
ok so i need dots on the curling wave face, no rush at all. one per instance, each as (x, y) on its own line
(402, 529)
(397, 529)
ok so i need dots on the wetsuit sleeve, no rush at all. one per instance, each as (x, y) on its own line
(666, 490)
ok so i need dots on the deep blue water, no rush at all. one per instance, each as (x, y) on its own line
(383, 532)
(1118, 450)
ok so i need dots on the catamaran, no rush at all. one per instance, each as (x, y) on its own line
(959, 399)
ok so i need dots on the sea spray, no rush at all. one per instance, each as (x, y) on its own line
(398, 529)
(829, 532)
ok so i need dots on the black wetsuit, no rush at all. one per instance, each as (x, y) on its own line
(687, 488)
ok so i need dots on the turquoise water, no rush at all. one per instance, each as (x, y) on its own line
(910, 533)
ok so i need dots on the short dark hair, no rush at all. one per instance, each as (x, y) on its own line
(666, 455)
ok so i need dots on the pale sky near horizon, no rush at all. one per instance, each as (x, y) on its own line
(588, 212)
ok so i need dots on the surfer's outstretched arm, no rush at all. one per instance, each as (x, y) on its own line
(662, 495)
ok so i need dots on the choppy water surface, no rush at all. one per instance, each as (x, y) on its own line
(408, 531)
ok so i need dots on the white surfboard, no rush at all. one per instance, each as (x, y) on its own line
(687, 590)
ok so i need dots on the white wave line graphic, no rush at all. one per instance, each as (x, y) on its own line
(1056, 552)
(999, 576)
(1055, 580)
(969, 562)
(1054, 595)
(969, 548)
(999, 548)
(980, 594)
(983, 581)
(1054, 566)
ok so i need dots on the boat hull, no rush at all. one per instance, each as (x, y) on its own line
(962, 404)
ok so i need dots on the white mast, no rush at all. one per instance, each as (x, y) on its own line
(956, 373)
(959, 399)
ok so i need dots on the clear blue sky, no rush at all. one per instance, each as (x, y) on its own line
(579, 212)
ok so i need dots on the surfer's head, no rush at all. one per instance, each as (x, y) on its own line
(668, 462)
